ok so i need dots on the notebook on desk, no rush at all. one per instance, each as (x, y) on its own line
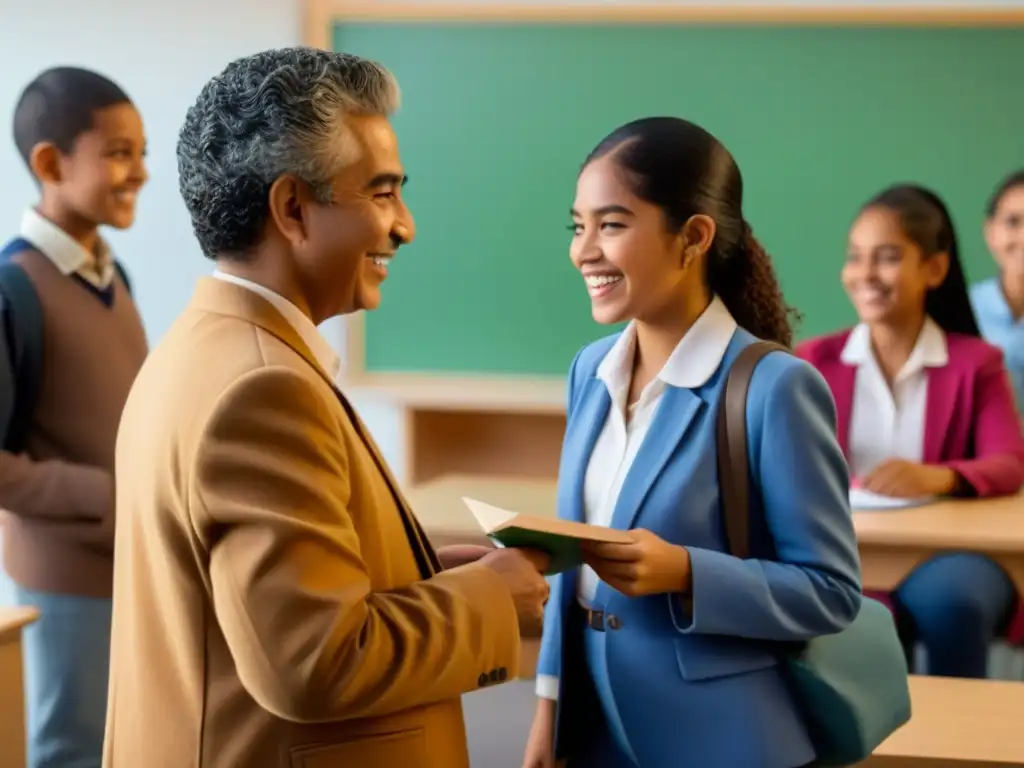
(863, 501)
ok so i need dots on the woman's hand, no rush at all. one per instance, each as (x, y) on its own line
(648, 565)
(540, 745)
(906, 479)
(461, 554)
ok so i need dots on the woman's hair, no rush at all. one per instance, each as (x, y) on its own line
(926, 222)
(685, 171)
(1008, 184)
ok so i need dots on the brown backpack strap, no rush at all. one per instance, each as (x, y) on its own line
(733, 469)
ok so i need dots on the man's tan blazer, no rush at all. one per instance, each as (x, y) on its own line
(276, 604)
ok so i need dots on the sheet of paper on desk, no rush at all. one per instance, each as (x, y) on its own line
(866, 500)
(559, 538)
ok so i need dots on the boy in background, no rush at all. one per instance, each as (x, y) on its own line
(83, 142)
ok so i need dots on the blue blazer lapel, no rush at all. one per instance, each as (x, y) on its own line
(675, 414)
(581, 434)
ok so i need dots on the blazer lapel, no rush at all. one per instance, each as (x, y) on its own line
(581, 434)
(221, 297)
(675, 414)
(943, 388)
(417, 536)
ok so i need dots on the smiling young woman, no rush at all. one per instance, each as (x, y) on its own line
(924, 409)
(658, 651)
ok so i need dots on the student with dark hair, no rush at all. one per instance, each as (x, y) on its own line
(664, 651)
(999, 301)
(925, 410)
(82, 139)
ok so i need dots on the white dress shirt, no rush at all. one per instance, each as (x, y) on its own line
(694, 360)
(299, 320)
(889, 423)
(67, 254)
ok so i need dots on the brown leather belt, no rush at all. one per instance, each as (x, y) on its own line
(599, 621)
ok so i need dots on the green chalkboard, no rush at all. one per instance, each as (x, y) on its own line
(497, 117)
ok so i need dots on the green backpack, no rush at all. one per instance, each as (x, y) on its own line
(852, 687)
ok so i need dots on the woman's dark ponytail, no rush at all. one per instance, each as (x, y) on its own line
(746, 283)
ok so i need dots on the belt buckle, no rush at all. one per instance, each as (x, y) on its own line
(595, 620)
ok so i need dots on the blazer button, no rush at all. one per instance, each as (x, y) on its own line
(613, 622)
(482, 680)
(502, 674)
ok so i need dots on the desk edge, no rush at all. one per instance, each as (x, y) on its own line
(13, 620)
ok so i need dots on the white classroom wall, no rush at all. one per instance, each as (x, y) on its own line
(162, 53)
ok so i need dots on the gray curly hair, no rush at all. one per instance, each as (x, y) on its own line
(276, 112)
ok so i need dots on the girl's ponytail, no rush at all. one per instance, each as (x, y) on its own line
(746, 283)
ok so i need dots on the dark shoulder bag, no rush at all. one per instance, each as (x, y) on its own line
(852, 686)
(21, 348)
(123, 274)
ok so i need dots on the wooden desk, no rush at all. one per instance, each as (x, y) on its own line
(892, 542)
(438, 504)
(492, 426)
(12, 689)
(957, 724)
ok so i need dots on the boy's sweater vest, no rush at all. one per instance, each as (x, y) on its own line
(58, 534)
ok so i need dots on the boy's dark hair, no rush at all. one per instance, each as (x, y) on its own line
(58, 107)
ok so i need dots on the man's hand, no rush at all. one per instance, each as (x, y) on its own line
(522, 571)
(461, 554)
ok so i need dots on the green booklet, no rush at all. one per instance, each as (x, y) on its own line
(559, 538)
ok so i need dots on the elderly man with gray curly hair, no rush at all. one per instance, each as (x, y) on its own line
(276, 602)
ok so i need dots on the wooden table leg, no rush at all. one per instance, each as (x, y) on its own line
(12, 686)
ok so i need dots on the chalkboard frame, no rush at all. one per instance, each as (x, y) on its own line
(322, 16)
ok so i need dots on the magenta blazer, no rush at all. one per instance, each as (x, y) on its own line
(971, 423)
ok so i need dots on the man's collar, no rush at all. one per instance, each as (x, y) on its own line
(296, 318)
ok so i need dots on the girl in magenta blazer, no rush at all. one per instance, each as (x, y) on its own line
(925, 409)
